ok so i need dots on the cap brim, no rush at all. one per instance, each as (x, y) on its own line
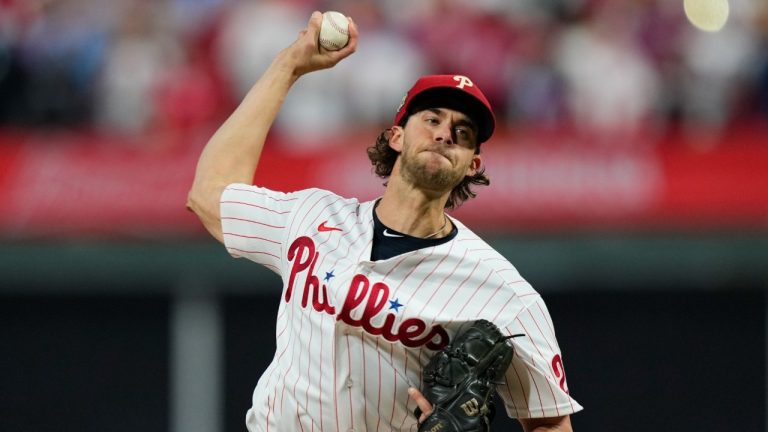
(455, 99)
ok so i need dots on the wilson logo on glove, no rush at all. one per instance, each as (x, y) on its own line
(471, 407)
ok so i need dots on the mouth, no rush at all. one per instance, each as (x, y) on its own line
(440, 153)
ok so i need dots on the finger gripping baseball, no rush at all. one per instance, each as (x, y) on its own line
(460, 380)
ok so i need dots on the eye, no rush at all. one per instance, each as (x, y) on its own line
(463, 132)
(432, 120)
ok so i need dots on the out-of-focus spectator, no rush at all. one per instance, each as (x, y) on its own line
(139, 53)
(378, 75)
(185, 95)
(250, 36)
(191, 16)
(535, 88)
(456, 38)
(661, 28)
(59, 49)
(761, 75)
(612, 87)
(253, 33)
(610, 67)
(11, 76)
(717, 65)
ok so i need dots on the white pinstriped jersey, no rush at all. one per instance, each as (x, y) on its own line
(352, 334)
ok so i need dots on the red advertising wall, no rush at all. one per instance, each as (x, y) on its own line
(82, 184)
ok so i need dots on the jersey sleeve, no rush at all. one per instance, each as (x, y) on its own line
(254, 220)
(535, 384)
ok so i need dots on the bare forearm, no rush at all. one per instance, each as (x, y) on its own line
(233, 152)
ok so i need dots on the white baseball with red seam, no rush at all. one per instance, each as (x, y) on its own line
(334, 31)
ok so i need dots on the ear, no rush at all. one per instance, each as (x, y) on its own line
(474, 165)
(396, 138)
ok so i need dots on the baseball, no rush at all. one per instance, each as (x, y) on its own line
(334, 31)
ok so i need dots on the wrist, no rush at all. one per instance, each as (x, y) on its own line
(285, 64)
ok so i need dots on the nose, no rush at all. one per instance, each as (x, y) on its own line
(444, 133)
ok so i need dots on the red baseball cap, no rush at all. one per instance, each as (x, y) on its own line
(453, 92)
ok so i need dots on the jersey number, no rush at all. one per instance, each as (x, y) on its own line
(557, 366)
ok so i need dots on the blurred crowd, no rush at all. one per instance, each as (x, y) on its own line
(601, 67)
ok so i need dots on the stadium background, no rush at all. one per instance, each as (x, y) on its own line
(629, 186)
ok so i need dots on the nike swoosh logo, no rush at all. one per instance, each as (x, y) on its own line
(389, 234)
(323, 228)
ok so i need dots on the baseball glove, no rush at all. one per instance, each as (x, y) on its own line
(460, 380)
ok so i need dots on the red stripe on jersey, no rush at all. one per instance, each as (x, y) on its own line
(300, 210)
(251, 237)
(257, 206)
(295, 396)
(353, 262)
(272, 266)
(325, 217)
(349, 389)
(545, 361)
(536, 323)
(271, 406)
(501, 309)
(330, 252)
(322, 318)
(335, 385)
(365, 379)
(378, 398)
(552, 333)
(309, 371)
(549, 323)
(487, 249)
(413, 269)
(259, 192)
(254, 252)
(495, 259)
(405, 369)
(509, 397)
(469, 276)
(536, 386)
(494, 293)
(522, 389)
(302, 318)
(397, 264)
(252, 221)
(394, 381)
(429, 301)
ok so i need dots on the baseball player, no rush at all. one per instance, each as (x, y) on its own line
(371, 290)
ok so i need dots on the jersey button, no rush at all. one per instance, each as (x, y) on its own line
(349, 382)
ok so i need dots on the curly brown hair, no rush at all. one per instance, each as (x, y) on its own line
(383, 158)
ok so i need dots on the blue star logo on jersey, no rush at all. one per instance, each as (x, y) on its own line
(395, 304)
(328, 276)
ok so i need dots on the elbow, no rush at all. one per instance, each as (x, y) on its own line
(204, 202)
(193, 201)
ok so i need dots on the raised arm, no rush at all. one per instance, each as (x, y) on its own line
(232, 154)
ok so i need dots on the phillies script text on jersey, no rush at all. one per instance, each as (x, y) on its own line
(362, 294)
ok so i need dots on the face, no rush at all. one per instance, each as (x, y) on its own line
(437, 149)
